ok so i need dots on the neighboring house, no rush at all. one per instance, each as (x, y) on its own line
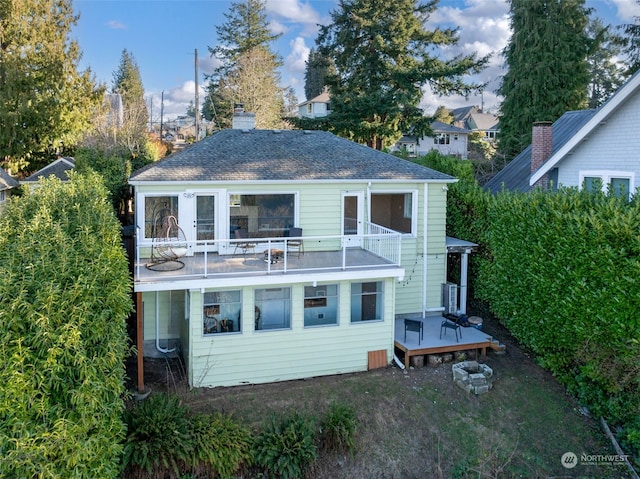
(473, 119)
(59, 168)
(7, 183)
(317, 107)
(446, 139)
(590, 148)
(240, 298)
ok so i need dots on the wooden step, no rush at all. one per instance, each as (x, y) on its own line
(497, 345)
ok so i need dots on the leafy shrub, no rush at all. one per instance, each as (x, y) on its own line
(221, 446)
(64, 300)
(558, 274)
(159, 437)
(287, 448)
(338, 428)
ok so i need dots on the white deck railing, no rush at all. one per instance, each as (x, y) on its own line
(214, 257)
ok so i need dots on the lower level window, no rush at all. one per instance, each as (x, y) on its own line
(320, 305)
(272, 308)
(221, 312)
(366, 301)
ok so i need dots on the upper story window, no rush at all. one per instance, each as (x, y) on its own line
(269, 215)
(394, 211)
(441, 139)
(156, 210)
(309, 108)
(618, 183)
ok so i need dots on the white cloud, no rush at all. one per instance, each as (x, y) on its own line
(175, 101)
(116, 25)
(627, 10)
(300, 13)
(484, 29)
(296, 60)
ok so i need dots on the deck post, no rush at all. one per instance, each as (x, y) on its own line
(140, 341)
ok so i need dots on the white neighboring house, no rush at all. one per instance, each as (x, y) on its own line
(317, 107)
(474, 118)
(446, 139)
(585, 148)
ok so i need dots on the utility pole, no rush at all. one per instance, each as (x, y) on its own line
(197, 106)
(161, 112)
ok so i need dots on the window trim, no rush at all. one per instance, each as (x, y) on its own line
(230, 205)
(414, 208)
(142, 200)
(383, 300)
(217, 307)
(259, 311)
(309, 303)
(606, 176)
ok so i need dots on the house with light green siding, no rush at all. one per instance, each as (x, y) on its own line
(266, 256)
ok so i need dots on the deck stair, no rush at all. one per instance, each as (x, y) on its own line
(497, 346)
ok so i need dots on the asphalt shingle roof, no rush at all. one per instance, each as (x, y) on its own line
(281, 155)
(7, 182)
(515, 176)
(58, 168)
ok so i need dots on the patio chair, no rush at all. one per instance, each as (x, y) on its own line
(169, 244)
(414, 325)
(244, 246)
(295, 244)
(451, 321)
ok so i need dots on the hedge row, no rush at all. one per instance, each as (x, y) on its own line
(64, 299)
(164, 440)
(562, 272)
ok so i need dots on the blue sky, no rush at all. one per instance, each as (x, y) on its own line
(163, 35)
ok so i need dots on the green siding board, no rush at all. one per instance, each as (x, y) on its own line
(267, 356)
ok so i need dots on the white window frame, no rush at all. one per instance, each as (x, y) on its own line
(141, 199)
(230, 205)
(607, 175)
(414, 207)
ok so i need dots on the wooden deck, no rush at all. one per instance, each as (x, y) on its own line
(472, 339)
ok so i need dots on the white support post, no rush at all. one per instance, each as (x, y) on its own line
(464, 270)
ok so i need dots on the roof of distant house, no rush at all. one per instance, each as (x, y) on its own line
(7, 181)
(515, 176)
(323, 97)
(58, 168)
(281, 155)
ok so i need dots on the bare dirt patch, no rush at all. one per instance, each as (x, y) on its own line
(417, 423)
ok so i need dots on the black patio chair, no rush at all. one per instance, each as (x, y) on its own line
(451, 321)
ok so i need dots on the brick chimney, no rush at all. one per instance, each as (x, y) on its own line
(241, 119)
(541, 148)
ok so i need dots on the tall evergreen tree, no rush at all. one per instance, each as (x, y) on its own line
(384, 55)
(253, 81)
(604, 73)
(547, 67)
(632, 44)
(316, 70)
(128, 83)
(246, 28)
(45, 102)
(243, 37)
